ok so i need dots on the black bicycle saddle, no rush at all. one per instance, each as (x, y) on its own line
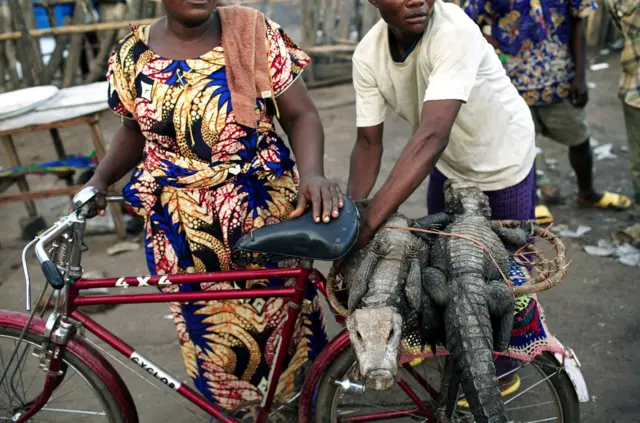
(301, 238)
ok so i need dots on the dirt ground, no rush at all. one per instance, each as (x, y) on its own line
(594, 310)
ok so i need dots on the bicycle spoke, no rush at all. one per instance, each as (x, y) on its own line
(529, 406)
(60, 410)
(519, 394)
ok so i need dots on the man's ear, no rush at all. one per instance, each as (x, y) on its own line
(374, 3)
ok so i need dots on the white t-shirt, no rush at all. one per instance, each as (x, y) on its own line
(492, 142)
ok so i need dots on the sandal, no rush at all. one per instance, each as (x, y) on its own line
(609, 200)
(543, 215)
(505, 389)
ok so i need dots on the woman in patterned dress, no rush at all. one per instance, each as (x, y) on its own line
(202, 180)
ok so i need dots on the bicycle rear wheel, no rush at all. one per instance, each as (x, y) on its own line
(546, 394)
(81, 397)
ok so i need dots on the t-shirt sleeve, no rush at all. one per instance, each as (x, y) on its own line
(286, 59)
(121, 94)
(582, 8)
(371, 107)
(454, 66)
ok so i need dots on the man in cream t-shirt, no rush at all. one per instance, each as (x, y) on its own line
(427, 61)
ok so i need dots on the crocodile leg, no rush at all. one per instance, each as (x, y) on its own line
(434, 283)
(413, 285)
(501, 307)
(431, 328)
(511, 236)
(361, 278)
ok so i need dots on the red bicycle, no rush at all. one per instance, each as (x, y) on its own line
(332, 391)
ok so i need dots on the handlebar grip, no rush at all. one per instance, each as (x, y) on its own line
(52, 274)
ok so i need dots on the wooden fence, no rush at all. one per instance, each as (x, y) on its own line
(328, 30)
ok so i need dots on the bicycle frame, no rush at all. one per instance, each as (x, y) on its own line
(295, 295)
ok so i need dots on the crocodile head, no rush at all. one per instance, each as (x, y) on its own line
(375, 334)
(465, 198)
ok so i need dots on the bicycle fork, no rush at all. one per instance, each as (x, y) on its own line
(50, 355)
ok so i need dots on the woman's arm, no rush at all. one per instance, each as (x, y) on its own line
(301, 122)
(125, 153)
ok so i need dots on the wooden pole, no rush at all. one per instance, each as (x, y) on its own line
(73, 59)
(346, 14)
(329, 24)
(55, 61)
(14, 161)
(370, 16)
(97, 66)
(98, 143)
(29, 54)
(77, 29)
(309, 14)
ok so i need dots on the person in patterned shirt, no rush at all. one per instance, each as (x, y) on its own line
(626, 14)
(201, 179)
(542, 46)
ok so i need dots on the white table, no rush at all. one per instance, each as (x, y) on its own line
(69, 107)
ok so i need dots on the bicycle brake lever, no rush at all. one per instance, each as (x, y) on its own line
(27, 277)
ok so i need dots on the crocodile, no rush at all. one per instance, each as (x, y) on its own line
(384, 281)
(466, 302)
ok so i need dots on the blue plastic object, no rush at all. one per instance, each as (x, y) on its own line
(60, 11)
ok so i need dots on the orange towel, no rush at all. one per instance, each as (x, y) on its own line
(246, 56)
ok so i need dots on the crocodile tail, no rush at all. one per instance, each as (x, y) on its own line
(469, 340)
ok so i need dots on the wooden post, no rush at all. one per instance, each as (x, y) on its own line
(98, 143)
(347, 8)
(329, 25)
(73, 59)
(309, 14)
(14, 161)
(97, 66)
(370, 16)
(28, 48)
(8, 52)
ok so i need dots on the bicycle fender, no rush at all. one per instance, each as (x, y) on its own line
(92, 358)
(572, 367)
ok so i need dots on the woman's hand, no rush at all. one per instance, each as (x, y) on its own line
(101, 199)
(325, 198)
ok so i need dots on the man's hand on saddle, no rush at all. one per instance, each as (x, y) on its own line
(324, 197)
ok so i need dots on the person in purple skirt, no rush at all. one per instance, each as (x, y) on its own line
(429, 62)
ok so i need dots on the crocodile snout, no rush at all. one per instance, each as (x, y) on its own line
(379, 380)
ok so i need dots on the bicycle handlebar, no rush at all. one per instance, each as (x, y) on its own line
(82, 201)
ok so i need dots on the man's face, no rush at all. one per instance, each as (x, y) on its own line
(409, 16)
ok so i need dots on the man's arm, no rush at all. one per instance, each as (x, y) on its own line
(365, 162)
(371, 110)
(577, 11)
(416, 161)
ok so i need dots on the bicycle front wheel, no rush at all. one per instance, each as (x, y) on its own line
(545, 394)
(81, 397)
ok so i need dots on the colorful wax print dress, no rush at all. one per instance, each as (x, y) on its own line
(204, 182)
